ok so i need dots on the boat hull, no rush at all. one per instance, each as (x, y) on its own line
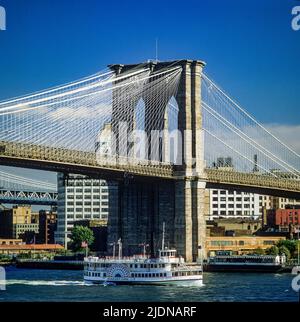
(187, 282)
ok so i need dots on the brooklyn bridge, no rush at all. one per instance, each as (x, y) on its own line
(162, 132)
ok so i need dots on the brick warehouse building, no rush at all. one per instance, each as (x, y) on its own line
(283, 219)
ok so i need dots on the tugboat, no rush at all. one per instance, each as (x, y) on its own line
(165, 269)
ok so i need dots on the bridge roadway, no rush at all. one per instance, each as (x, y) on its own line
(73, 161)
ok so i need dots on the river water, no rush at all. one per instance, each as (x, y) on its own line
(64, 285)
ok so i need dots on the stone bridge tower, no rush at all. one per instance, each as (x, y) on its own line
(143, 206)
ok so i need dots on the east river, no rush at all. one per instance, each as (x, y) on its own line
(63, 285)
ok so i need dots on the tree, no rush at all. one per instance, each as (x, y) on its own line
(274, 250)
(290, 244)
(79, 235)
(284, 250)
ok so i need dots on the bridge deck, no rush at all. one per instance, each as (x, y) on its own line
(38, 153)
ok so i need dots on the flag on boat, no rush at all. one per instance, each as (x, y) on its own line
(84, 244)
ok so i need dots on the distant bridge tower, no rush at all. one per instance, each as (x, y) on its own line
(143, 206)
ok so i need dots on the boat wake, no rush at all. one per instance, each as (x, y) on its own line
(47, 283)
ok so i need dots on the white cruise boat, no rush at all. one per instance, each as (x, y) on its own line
(140, 269)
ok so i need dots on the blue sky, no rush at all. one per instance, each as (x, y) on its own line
(249, 46)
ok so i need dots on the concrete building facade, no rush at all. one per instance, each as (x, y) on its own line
(79, 198)
(239, 245)
(17, 221)
(233, 204)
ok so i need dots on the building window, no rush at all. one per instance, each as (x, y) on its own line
(269, 242)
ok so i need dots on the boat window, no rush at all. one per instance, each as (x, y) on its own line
(104, 274)
(136, 265)
(163, 265)
(165, 274)
(132, 275)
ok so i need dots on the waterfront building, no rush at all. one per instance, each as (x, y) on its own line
(233, 204)
(10, 241)
(284, 219)
(239, 245)
(47, 227)
(16, 222)
(270, 202)
(233, 227)
(15, 249)
(79, 198)
(238, 204)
